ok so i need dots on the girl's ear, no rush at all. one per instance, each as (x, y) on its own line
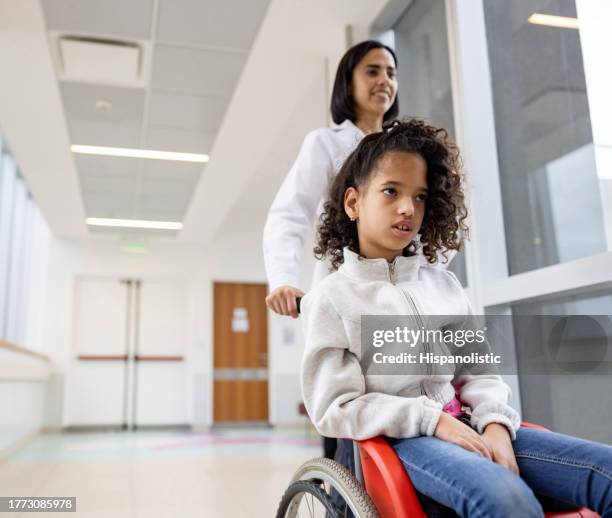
(351, 203)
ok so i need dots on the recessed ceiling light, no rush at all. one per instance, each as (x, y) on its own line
(139, 153)
(563, 22)
(134, 223)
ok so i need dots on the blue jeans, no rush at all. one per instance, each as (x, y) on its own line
(553, 465)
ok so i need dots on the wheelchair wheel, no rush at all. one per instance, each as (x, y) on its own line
(306, 498)
(329, 475)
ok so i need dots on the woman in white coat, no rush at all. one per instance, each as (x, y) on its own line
(364, 96)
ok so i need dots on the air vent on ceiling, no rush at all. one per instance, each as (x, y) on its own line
(100, 61)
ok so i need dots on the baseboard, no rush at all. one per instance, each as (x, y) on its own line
(124, 428)
(240, 424)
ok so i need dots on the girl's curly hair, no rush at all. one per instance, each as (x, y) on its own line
(445, 210)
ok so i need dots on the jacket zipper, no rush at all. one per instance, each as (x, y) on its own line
(412, 304)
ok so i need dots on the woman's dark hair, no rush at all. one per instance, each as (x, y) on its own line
(445, 210)
(342, 103)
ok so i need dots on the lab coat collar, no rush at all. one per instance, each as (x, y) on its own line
(348, 124)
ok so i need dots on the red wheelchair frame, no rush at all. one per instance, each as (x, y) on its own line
(387, 483)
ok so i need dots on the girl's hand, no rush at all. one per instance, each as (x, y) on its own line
(452, 430)
(282, 300)
(498, 438)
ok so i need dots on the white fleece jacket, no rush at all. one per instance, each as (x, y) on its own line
(343, 402)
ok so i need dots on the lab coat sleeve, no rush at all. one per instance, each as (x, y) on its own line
(292, 215)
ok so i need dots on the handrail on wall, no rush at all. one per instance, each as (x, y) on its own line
(22, 350)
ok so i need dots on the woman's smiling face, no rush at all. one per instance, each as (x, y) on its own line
(391, 207)
(374, 83)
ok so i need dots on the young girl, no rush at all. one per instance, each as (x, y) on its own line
(399, 183)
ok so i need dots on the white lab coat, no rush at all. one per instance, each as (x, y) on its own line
(299, 202)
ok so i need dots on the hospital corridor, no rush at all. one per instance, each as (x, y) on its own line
(199, 274)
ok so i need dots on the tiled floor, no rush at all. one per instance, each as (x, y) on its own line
(217, 474)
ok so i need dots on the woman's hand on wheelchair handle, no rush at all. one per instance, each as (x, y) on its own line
(283, 300)
(452, 430)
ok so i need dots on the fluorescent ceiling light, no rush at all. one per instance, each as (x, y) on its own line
(563, 22)
(134, 223)
(139, 153)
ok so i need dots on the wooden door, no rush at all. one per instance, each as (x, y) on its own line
(240, 353)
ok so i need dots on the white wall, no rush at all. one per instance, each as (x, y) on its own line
(22, 397)
(21, 411)
(235, 257)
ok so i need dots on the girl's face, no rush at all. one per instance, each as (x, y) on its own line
(374, 84)
(390, 208)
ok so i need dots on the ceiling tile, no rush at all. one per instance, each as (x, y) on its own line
(100, 166)
(183, 172)
(109, 205)
(220, 23)
(118, 126)
(168, 189)
(113, 18)
(159, 208)
(170, 139)
(93, 185)
(186, 112)
(200, 72)
(100, 134)
(126, 104)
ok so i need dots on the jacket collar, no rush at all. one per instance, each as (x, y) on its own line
(402, 269)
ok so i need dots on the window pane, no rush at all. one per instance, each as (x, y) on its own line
(552, 400)
(16, 263)
(553, 198)
(424, 70)
(424, 74)
(7, 198)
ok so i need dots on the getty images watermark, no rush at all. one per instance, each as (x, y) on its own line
(486, 344)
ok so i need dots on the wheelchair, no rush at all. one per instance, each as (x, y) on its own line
(379, 488)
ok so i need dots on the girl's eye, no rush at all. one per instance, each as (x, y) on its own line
(390, 190)
(422, 197)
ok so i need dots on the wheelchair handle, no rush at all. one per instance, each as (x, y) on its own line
(297, 302)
